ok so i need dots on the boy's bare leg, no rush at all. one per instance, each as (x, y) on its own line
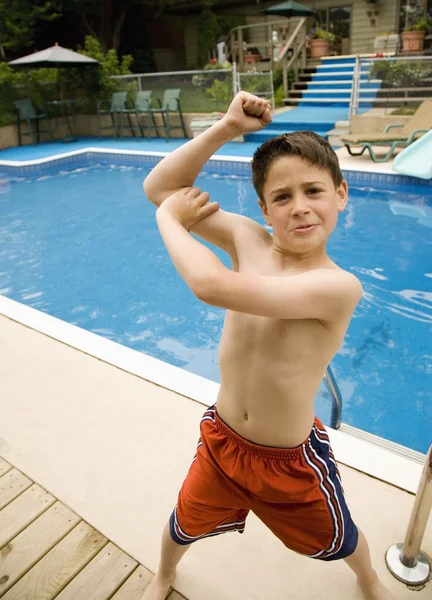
(171, 553)
(360, 563)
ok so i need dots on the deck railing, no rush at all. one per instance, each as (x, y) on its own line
(406, 561)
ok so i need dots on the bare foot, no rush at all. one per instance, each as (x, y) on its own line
(375, 591)
(158, 589)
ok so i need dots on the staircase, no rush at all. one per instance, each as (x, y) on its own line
(329, 83)
(321, 97)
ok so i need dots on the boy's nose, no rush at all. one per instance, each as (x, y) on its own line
(300, 206)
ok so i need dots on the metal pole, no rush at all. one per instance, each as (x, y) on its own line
(241, 56)
(406, 561)
(355, 86)
(334, 391)
(234, 78)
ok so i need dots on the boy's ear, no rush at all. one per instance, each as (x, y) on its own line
(264, 210)
(342, 194)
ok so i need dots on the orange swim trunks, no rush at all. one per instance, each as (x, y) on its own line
(296, 492)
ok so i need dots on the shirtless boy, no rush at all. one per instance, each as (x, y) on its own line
(288, 309)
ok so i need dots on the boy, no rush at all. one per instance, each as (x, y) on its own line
(288, 308)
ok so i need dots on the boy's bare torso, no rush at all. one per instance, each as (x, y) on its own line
(271, 368)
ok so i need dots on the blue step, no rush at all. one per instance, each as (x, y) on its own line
(340, 95)
(335, 69)
(338, 61)
(294, 125)
(338, 77)
(266, 134)
(341, 86)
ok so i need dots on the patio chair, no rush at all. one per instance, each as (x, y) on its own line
(142, 107)
(415, 127)
(170, 104)
(118, 104)
(27, 113)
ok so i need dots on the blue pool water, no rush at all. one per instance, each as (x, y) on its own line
(84, 247)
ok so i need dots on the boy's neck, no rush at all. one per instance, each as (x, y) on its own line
(285, 261)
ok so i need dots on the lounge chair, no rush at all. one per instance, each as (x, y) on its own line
(142, 107)
(118, 104)
(26, 112)
(170, 104)
(415, 127)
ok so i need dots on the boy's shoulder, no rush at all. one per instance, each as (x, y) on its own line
(344, 281)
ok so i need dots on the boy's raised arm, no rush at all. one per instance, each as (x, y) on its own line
(324, 294)
(247, 113)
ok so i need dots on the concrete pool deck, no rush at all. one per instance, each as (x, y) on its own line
(115, 447)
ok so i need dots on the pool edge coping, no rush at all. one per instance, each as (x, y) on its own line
(354, 452)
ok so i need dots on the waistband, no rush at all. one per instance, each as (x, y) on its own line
(283, 454)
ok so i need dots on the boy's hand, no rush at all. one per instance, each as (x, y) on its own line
(188, 206)
(247, 113)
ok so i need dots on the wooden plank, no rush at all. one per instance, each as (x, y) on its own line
(133, 588)
(17, 557)
(22, 511)
(175, 596)
(101, 577)
(51, 574)
(4, 466)
(12, 484)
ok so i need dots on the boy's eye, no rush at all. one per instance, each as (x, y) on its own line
(313, 191)
(282, 197)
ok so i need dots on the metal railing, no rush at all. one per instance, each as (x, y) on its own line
(333, 389)
(406, 561)
(261, 35)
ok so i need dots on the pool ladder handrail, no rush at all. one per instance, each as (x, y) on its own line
(406, 561)
(333, 389)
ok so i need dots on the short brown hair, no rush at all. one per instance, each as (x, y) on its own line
(305, 144)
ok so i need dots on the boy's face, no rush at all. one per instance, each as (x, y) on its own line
(296, 195)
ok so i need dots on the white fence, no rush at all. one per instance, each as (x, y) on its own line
(206, 90)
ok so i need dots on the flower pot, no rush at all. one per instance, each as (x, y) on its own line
(250, 58)
(412, 41)
(319, 48)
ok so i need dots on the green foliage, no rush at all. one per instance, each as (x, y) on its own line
(97, 81)
(279, 96)
(423, 24)
(220, 91)
(19, 20)
(322, 34)
(37, 84)
(105, 19)
(208, 29)
(399, 73)
(278, 77)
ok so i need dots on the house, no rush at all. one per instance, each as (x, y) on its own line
(357, 23)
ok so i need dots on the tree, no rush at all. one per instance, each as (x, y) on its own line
(208, 28)
(104, 19)
(19, 20)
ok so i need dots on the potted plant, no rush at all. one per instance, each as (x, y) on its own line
(320, 40)
(413, 36)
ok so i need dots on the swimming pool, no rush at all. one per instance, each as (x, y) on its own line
(83, 246)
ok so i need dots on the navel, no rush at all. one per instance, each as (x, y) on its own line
(246, 416)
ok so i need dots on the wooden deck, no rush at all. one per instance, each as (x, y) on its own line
(47, 551)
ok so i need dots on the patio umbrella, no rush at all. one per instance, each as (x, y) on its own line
(56, 56)
(289, 9)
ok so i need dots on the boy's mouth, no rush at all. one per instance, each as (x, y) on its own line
(304, 228)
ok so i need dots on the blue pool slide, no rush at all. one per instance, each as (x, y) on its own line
(416, 160)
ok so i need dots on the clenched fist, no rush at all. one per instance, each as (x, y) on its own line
(247, 113)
